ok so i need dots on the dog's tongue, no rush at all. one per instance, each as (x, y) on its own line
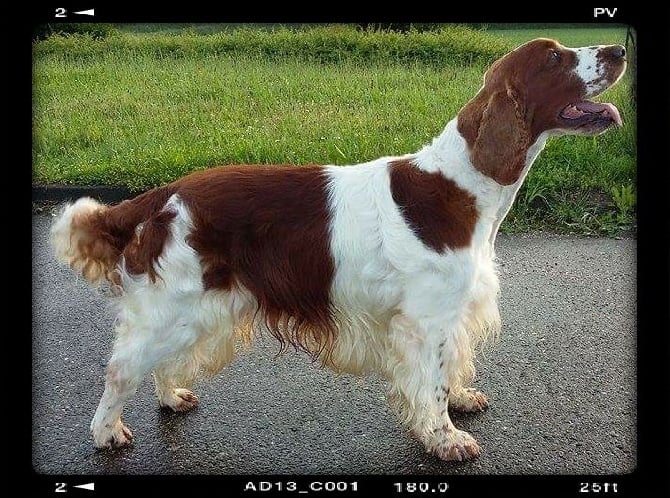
(574, 111)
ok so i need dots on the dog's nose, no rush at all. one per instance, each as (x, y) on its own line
(615, 52)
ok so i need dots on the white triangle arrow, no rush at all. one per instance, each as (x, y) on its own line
(90, 486)
(89, 12)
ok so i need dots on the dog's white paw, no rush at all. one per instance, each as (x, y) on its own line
(454, 445)
(468, 400)
(111, 435)
(180, 400)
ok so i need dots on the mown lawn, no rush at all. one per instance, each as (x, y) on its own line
(162, 118)
(141, 111)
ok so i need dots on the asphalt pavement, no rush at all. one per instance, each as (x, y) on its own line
(561, 381)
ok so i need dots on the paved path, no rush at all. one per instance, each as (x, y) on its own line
(561, 381)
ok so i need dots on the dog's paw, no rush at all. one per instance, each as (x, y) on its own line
(454, 445)
(180, 400)
(468, 400)
(111, 436)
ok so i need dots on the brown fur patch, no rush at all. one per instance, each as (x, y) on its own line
(142, 252)
(266, 228)
(95, 257)
(500, 148)
(117, 224)
(522, 96)
(442, 214)
(104, 234)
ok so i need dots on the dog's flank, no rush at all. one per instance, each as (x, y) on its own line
(386, 266)
(263, 229)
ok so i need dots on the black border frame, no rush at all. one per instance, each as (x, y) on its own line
(652, 474)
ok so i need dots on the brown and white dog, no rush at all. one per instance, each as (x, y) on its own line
(386, 266)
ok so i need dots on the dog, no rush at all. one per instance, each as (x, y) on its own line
(386, 266)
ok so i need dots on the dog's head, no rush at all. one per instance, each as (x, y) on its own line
(540, 87)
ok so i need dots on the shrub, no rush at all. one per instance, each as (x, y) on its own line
(97, 31)
(450, 44)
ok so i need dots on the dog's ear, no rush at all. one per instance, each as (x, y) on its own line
(503, 138)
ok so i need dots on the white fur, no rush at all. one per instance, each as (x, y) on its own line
(412, 298)
(592, 70)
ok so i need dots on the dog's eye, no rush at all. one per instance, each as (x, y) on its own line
(556, 56)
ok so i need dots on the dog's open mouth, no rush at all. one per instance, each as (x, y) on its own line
(590, 114)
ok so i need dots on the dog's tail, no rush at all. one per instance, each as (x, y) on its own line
(91, 236)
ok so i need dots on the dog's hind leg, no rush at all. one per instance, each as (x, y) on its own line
(139, 347)
(207, 356)
(218, 320)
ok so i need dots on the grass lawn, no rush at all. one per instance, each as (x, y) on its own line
(588, 34)
(162, 118)
(120, 112)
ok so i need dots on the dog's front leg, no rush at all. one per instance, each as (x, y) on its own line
(468, 400)
(427, 353)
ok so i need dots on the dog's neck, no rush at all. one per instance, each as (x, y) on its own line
(449, 154)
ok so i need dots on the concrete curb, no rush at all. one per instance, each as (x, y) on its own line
(62, 193)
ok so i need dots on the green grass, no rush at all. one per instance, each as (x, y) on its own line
(588, 34)
(142, 110)
(163, 118)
